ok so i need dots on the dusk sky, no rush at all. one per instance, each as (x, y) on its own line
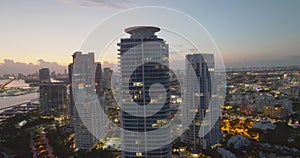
(248, 33)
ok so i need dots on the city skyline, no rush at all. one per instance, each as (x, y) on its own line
(248, 33)
(149, 78)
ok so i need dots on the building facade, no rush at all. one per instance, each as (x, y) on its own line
(107, 76)
(277, 111)
(85, 81)
(198, 103)
(44, 75)
(53, 100)
(143, 63)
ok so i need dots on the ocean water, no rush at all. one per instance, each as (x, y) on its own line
(13, 100)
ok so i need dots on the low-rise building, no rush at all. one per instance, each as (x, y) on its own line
(264, 125)
(238, 142)
(277, 111)
(247, 109)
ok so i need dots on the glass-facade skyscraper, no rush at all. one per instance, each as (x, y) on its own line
(144, 61)
(199, 102)
(85, 85)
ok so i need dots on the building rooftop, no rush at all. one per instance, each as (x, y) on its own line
(142, 31)
(264, 125)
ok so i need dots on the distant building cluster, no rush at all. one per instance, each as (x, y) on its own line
(263, 103)
(263, 93)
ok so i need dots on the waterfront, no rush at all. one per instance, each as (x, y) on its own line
(15, 83)
(14, 100)
(7, 101)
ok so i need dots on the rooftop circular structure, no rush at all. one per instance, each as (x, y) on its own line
(138, 32)
(134, 29)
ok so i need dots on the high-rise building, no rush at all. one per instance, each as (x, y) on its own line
(53, 99)
(144, 60)
(86, 81)
(44, 75)
(99, 80)
(202, 67)
(107, 74)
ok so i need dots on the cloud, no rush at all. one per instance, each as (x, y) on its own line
(110, 4)
(12, 67)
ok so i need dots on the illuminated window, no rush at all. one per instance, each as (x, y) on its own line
(198, 122)
(211, 69)
(162, 121)
(81, 86)
(198, 94)
(154, 101)
(137, 142)
(155, 125)
(139, 154)
(138, 84)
